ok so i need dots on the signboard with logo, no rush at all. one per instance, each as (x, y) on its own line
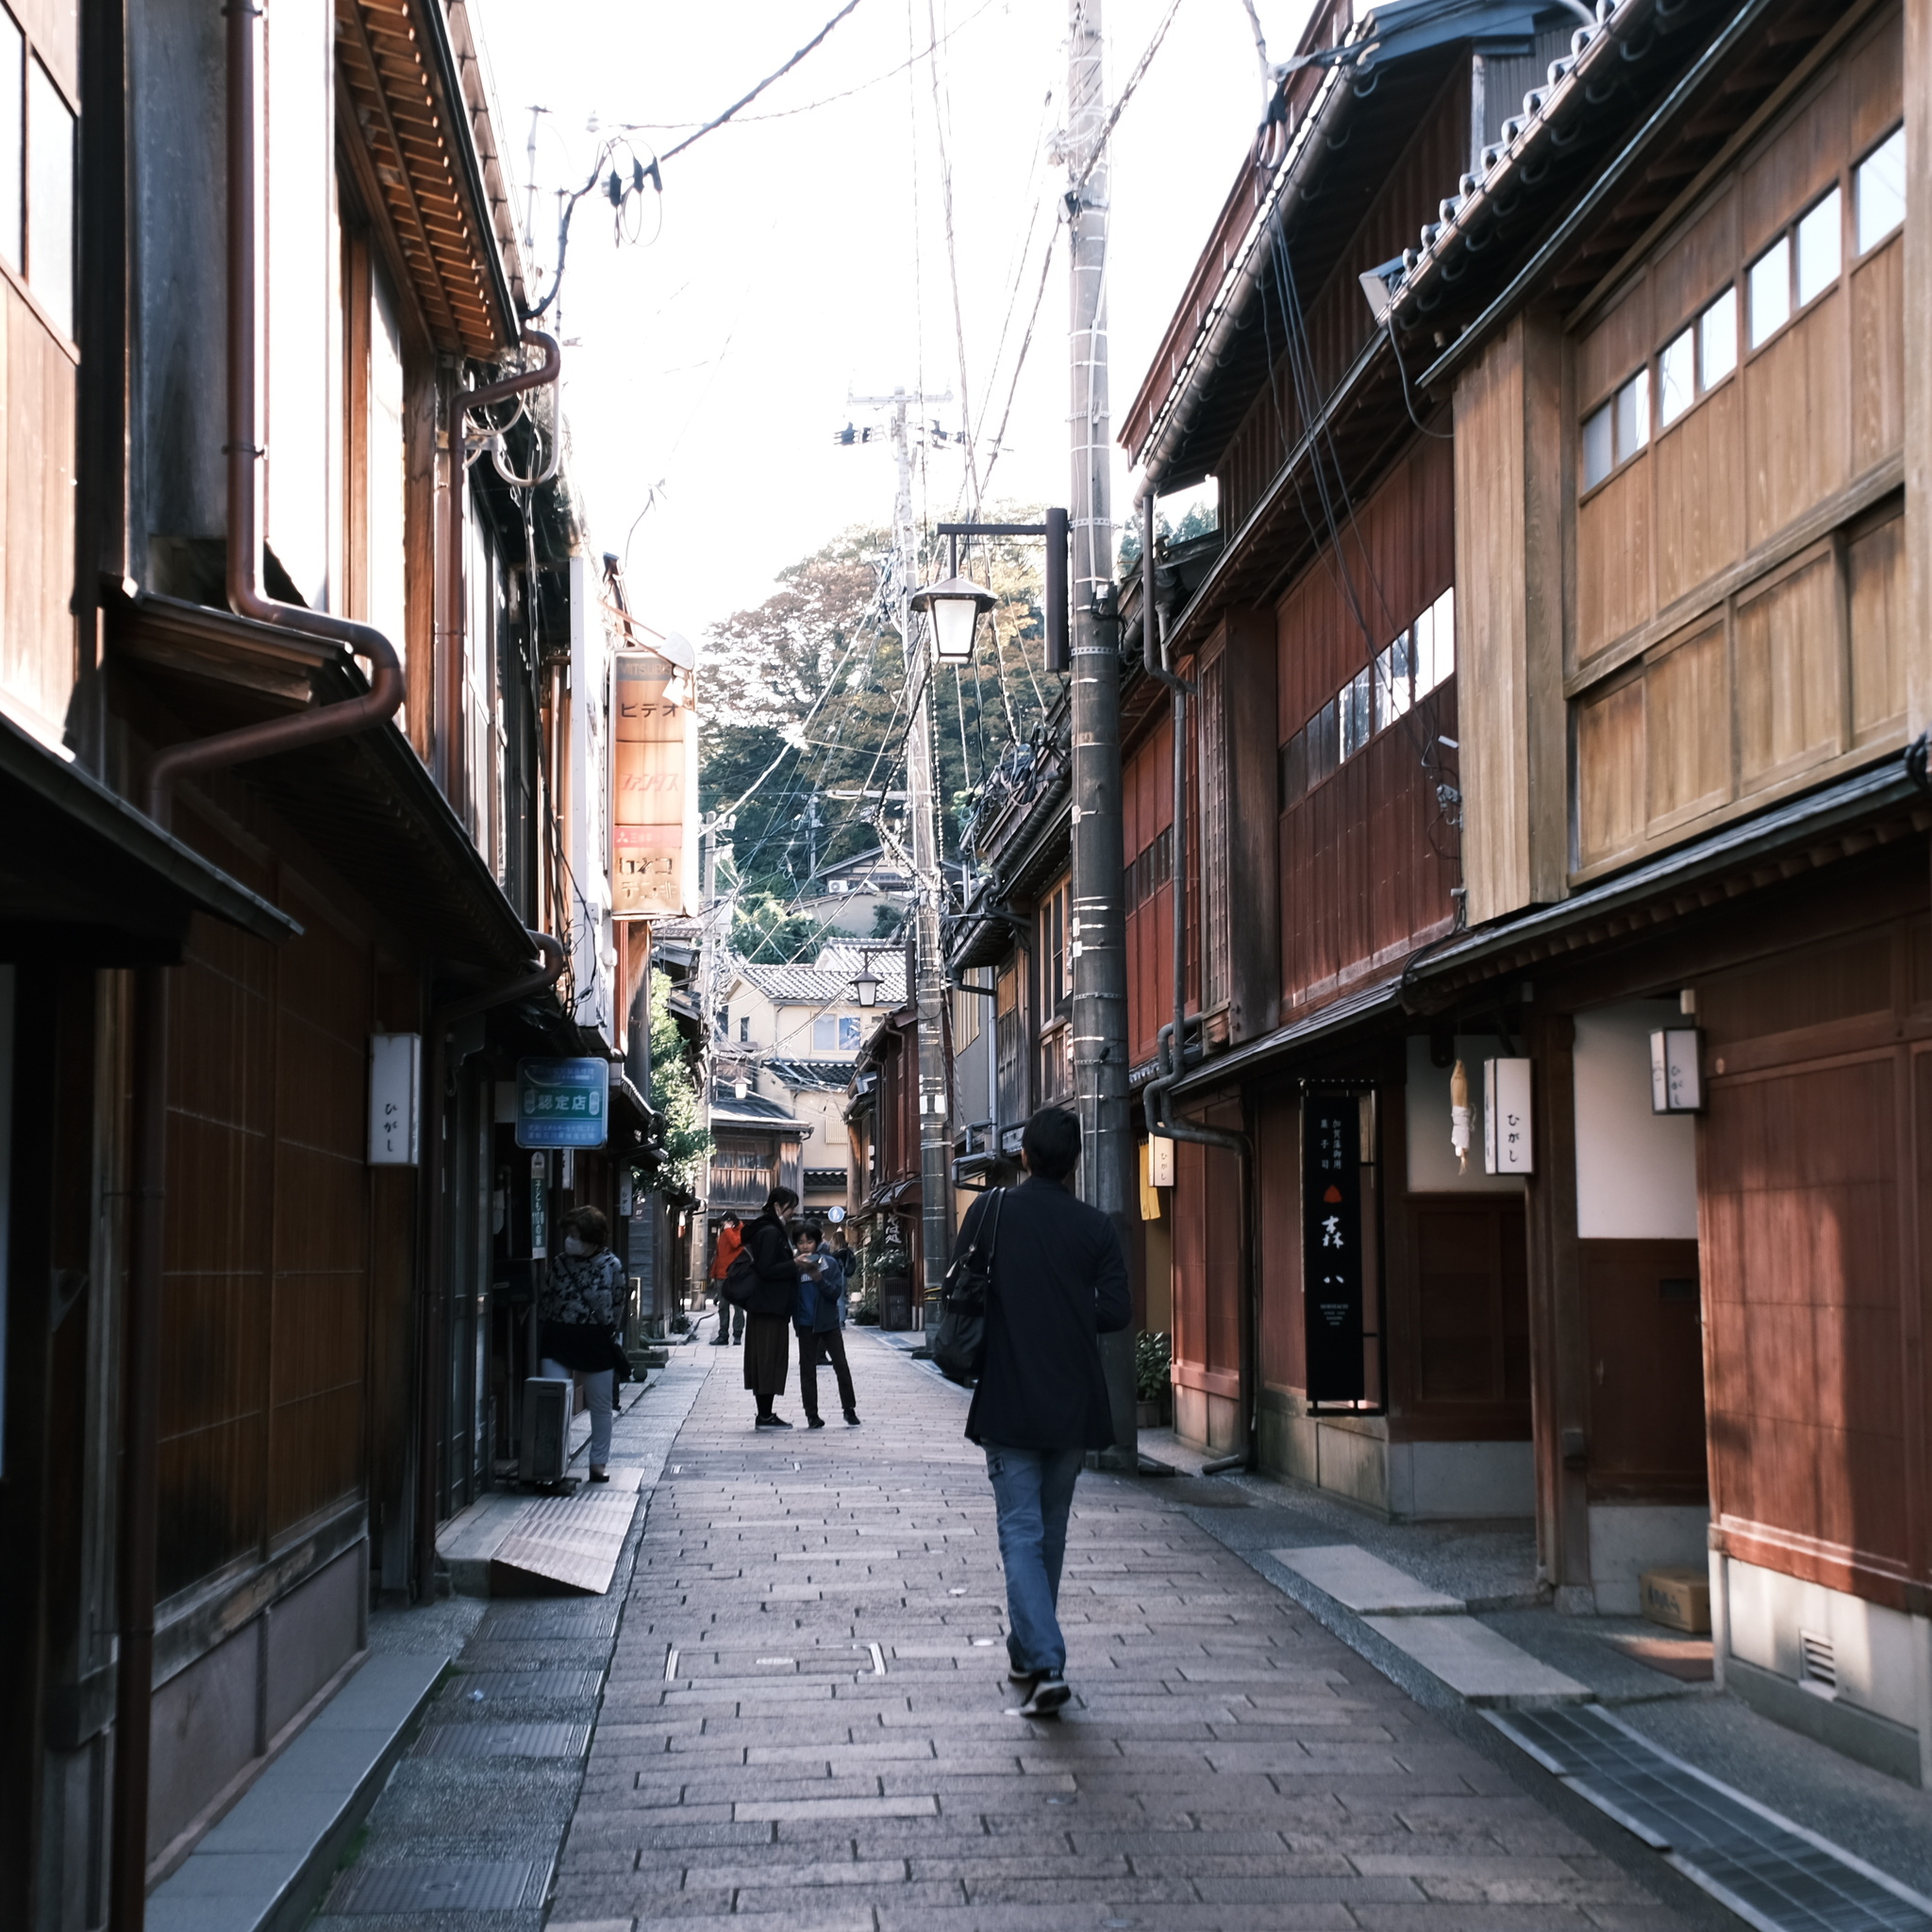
(563, 1103)
(654, 779)
(1332, 1246)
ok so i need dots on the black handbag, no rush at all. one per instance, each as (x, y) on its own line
(959, 1344)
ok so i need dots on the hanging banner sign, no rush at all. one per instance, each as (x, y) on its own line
(1332, 1246)
(654, 781)
(540, 1206)
(563, 1103)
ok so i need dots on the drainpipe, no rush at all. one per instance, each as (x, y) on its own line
(1173, 1038)
(432, 1381)
(140, 1354)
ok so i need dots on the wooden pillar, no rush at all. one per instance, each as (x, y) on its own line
(1254, 850)
(1558, 1336)
(1510, 520)
(1917, 301)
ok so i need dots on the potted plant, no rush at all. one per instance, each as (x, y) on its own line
(1153, 1381)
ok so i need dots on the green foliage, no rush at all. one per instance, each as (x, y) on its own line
(1153, 1357)
(829, 633)
(1201, 518)
(767, 933)
(674, 1095)
(889, 922)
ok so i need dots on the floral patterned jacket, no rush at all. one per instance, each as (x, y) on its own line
(585, 1291)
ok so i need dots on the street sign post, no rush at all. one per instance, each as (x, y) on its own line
(563, 1103)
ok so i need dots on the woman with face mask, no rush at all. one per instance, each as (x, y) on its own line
(579, 1310)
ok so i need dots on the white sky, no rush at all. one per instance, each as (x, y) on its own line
(801, 258)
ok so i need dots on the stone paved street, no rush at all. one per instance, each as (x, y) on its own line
(808, 1718)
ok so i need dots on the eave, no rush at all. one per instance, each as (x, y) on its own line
(424, 125)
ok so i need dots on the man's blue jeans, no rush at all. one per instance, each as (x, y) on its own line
(1033, 1492)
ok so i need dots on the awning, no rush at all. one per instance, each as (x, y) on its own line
(366, 803)
(88, 880)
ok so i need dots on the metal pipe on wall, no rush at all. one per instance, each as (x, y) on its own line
(141, 1319)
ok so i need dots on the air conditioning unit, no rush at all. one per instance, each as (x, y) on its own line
(544, 1453)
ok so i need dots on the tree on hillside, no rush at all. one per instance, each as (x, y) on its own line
(808, 691)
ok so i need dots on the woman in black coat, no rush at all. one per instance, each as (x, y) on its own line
(768, 1318)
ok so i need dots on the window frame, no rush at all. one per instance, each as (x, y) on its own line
(1787, 239)
(22, 277)
(1864, 251)
(1609, 406)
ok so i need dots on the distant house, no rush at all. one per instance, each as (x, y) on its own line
(755, 1147)
(790, 1035)
(847, 896)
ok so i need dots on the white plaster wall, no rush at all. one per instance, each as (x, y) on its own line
(1628, 1538)
(300, 252)
(1636, 1171)
(1431, 1161)
(1874, 1647)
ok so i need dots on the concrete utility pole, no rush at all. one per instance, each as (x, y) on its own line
(935, 1118)
(1099, 938)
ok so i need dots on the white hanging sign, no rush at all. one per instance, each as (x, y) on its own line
(394, 1064)
(1507, 1143)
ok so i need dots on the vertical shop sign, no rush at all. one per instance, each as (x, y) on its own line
(540, 1206)
(1332, 1246)
(653, 786)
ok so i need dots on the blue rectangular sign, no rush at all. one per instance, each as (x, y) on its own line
(563, 1103)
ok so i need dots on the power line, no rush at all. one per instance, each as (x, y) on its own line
(745, 100)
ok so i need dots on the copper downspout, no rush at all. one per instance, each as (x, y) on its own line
(541, 376)
(141, 1357)
(433, 1378)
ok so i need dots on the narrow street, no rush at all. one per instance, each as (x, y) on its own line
(807, 1717)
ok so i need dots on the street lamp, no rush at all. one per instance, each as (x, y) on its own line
(865, 986)
(955, 606)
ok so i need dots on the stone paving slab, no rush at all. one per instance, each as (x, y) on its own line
(1226, 1764)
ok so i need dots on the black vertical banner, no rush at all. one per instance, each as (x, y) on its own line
(1332, 1246)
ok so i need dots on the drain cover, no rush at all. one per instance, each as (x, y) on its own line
(535, 1684)
(444, 1886)
(1772, 1874)
(503, 1741)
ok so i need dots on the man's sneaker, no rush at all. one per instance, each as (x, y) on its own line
(852, 1417)
(816, 1421)
(1049, 1693)
(771, 1421)
(1016, 1675)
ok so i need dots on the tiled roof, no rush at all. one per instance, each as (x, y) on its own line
(830, 1077)
(754, 1110)
(829, 982)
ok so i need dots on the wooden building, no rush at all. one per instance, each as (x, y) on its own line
(261, 1293)
(1623, 451)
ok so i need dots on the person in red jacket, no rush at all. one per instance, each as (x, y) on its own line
(729, 1240)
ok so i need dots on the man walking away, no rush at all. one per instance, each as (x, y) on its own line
(583, 1298)
(729, 1242)
(1059, 1283)
(820, 1319)
(768, 1321)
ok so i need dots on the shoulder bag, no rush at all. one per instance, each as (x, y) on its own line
(958, 1345)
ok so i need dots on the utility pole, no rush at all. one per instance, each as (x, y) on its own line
(1099, 940)
(935, 1118)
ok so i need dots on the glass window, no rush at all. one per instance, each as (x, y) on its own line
(1439, 622)
(1633, 415)
(1769, 283)
(1821, 247)
(1717, 339)
(12, 142)
(1879, 183)
(1357, 711)
(1599, 446)
(50, 197)
(1392, 682)
(744, 1029)
(824, 1034)
(1676, 374)
(849, 1030)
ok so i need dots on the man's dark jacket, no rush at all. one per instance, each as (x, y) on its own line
(1060, 1281)
(770, 1248)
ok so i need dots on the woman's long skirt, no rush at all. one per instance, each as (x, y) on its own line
(767, 1353)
